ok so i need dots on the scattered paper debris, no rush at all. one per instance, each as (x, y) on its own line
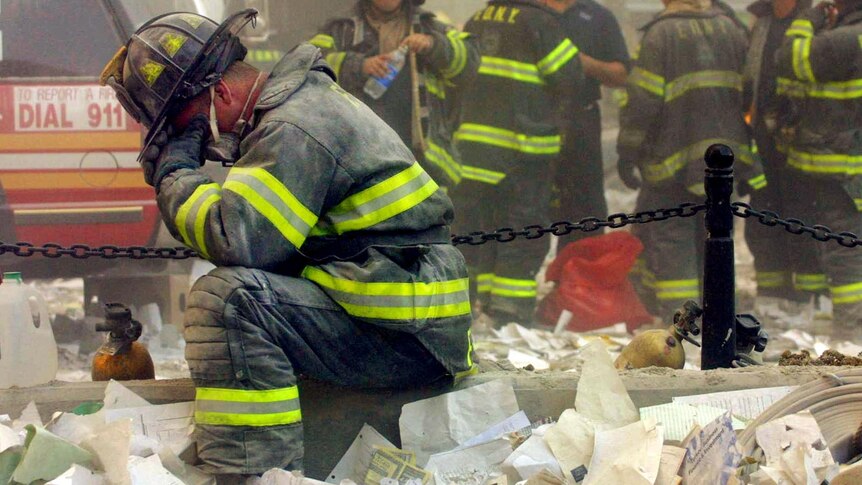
(629, 455)
(671, 461)
(748, 404)
(516, 422)
(169, 424)
(47, 456)
(795, 450)
(711, 454)
(678, 419)
(397, 465)
(444, 422)
(355, 462)
(150, 471)
(470, 466)
(602, 396)
(572, 440)
(531, 458)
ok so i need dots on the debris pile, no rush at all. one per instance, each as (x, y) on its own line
(773, 436)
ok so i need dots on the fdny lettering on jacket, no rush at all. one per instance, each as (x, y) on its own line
(497, 13)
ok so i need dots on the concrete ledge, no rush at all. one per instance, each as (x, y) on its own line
(333, 415)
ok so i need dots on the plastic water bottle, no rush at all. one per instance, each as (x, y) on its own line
(376, 86)
(28, 351)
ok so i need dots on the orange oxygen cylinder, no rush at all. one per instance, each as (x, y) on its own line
(121, 357)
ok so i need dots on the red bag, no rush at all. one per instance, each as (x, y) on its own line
(592, 283)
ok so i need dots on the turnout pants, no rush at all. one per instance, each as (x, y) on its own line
(503, 275)
(786, 267)
(669, 268)
(249, 334)
(836, 204)
(579, 176)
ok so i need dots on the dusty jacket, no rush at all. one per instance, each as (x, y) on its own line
(530, 70)
(444, 72)
(684, 94)
(326, 191)
(821, 71)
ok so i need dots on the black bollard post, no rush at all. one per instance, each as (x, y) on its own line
(719, 276)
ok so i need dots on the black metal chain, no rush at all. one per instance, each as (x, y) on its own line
(504, 235)
(83, 251)
(795, 226)
(589, 224)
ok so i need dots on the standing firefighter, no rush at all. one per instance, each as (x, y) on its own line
(421, 106)
(331, 241)
(820, 68)
(509, 138)
(684, 94)
(787, 278)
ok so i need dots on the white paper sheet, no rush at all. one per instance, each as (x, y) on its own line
(531, 458)
(601, 395)
(149, 471)
(629, 455)
(444, 422)
(678, 419)
(747, 404)
(354, 464)
(671, 461)
(78, 475)
(282, 477)
(794, 446)
(110, 449)
(118, 396)
(571, 440)
(712, 455)
(169, 424)
(470, 466)
(516, 422)
(30, 415)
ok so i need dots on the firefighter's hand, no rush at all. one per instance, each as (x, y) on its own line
(628, 172)
(182, 151)
(419, 43)
(377, 66)
(151, 154)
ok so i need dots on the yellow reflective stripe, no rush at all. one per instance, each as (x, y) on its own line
(272, 200)
(758, 182)
(675, 289)
(693, 153)
(558, 58)
(441, 158)
(513, 288)
(191, 216)
(336, 60)
(825, 162)
(481, 175)
(435, 87)
(802, 60)
(858, 203)
(702, 80)
(507, 68)
(484, 282)
(800, 28)
(648, 81)
(844, 294)
(459, 58)
(395, 301)
(791, 87)
(771, 279)
(809, 282)
(389, 198)
(490, 135)
(470, 348)
(836, 90)
(239, 407)
(323, 41)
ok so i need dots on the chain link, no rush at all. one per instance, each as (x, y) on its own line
(83, 251)
(795, 226)
(589, 224)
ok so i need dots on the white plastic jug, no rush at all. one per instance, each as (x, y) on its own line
(28, 351)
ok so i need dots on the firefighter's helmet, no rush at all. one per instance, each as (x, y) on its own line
(171, 59)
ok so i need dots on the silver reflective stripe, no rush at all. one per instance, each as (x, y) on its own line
(271, 198)
(398, 301)
(702, 80)
(230, 407)
(422, 178)
(195, 213)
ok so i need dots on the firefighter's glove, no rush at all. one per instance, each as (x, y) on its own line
(628, 172)
(819, 15)
(182, 151)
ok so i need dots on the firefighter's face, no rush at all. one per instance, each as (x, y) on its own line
(387, 6)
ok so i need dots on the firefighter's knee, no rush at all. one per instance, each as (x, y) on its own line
(209, 327)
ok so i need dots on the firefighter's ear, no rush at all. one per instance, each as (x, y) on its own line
(223, 93)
